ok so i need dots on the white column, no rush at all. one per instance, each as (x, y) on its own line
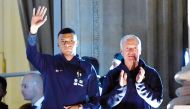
(182, 100)
(188, 2)
(57, 23)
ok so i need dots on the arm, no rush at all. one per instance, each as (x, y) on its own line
(151, 90)
(38, 60)
(112, 95)
(37, 21)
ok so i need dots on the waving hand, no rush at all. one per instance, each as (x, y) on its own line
(38, 19)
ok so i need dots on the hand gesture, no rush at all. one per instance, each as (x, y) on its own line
(141, 75)
(123, 78)
(38, 19)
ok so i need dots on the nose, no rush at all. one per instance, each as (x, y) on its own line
(66, 44)
(131, 50)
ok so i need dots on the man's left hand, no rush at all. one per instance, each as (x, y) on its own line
(140, 76)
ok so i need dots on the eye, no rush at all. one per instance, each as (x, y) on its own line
(62, 40)
(24, 86)
(127, 49)
(72, 41)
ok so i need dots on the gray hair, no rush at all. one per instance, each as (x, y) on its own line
(36, 78)
(130, 36)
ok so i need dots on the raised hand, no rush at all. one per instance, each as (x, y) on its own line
(38, 19)
(141, 75)
(123, 78)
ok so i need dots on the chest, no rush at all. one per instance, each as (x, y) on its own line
(71, 75)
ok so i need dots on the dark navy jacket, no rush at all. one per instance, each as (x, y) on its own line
(134, 95)
(65, 82)
(3, 105)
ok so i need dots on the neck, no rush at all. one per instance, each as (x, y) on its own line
(68, 57)
(36, 99)
(131, 65)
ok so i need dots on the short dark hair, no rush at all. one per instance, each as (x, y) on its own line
(65, 31)
(3, 82)
(92, 61)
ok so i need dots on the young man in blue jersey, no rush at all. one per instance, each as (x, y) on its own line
(132, 84)
(69, 82)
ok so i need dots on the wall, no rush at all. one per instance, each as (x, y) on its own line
(160, 24)
(13, 46)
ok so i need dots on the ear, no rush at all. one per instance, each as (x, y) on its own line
(140, 51)
(77, 43)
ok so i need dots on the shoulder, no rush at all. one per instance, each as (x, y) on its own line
(147, 68)
(3, 105)
(57, 55)
(114, 73)
(87, 67)
(85, 63)
(151, 73)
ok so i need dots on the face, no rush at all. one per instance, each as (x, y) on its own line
(67, 44)
(131, 50)
(27, 88)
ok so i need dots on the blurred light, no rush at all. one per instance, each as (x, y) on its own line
(186, 56)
